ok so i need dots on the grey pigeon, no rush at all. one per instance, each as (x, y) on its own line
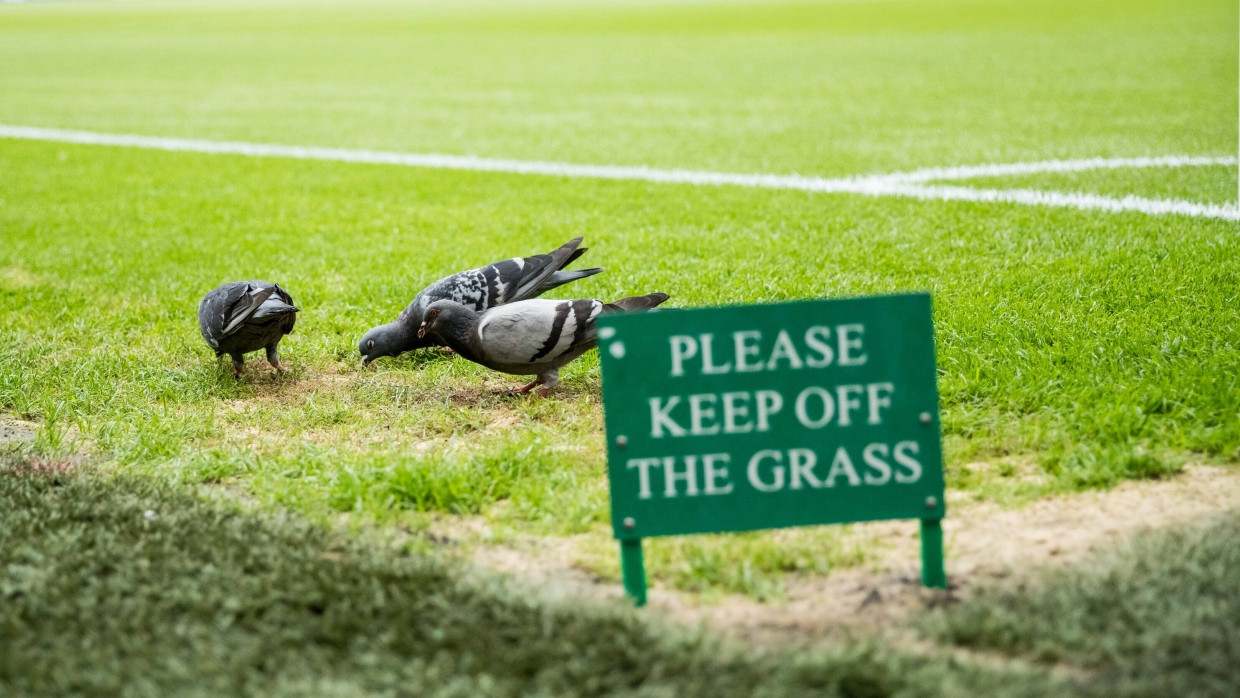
(245, 316)
(495, 284)
(534, 337)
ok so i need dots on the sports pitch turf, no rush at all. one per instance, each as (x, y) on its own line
(1095, 346)
(1076, 348)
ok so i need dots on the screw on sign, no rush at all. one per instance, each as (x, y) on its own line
(766, 416)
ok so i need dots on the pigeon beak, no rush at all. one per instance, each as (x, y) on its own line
(365, 361)
(422, 330)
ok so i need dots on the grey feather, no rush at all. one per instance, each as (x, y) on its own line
(531, 337)
(490, 286)
(245, 316)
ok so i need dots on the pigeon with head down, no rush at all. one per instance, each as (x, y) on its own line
(534, 337)
(498, 283)
(245, 316)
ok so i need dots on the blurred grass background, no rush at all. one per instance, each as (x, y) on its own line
(1076, 349)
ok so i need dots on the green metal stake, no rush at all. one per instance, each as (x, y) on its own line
(633, 570)
(933, 573)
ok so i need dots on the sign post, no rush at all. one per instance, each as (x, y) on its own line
(768, 416)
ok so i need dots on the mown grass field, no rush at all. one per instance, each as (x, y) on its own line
(130, 586)
(1076, 348)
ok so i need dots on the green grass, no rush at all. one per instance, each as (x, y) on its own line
(756, 564)
(129, 587)
(1076, 349)
(830, 88)
(1156, 617)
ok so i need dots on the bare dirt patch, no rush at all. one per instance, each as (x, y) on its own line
(984, 543)
(14, 431)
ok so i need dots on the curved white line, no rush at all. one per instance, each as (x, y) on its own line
(909, 184)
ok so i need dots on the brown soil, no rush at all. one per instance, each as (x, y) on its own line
(984, 543)
(14, 431)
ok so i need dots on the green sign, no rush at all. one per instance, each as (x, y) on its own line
(766, 416)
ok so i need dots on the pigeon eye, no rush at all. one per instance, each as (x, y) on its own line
(432, 314)
(370, 344)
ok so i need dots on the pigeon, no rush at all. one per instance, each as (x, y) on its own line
(533, 337)
(486, 287)
(245, 316)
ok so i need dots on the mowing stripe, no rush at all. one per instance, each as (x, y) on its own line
(906, 184)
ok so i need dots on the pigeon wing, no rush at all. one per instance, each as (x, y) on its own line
(537, 331)
(246, 304)
(290, 318)
(528, 277)
(218, 310)
(212, 312)
(284, 296)
(278, 306)
(501, 282)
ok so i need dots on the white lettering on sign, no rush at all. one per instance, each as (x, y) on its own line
(746, 349)
(736, 407)
(817, 338)
(671, 476)
(845, 406)
(714, 474)
(643, 466)
(842, 465)
(708, 365)
(826, 407)
(770, 402)
(777, 471)
(848, 343)
(682, 348)
(905, 450)
(659, 419)
(880, 470)
(714, 467)
(814, 408)
(878, 401)
(784, 350)
(750, 353)
(702, 411)
(771, 470)
(801, 462)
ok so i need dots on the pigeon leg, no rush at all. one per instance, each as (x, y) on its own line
(238, 364)
(525, 388)
(273, 358)
(547, 380)
(550, 379)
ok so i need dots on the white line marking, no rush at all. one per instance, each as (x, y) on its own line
(907, 184)
(1020, 168)
(1080, 200)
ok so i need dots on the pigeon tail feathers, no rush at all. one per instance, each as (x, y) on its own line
(635, 304)
(274, 305)
(252, 303)
(539, 268)
(560, 278)
(573, 257)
